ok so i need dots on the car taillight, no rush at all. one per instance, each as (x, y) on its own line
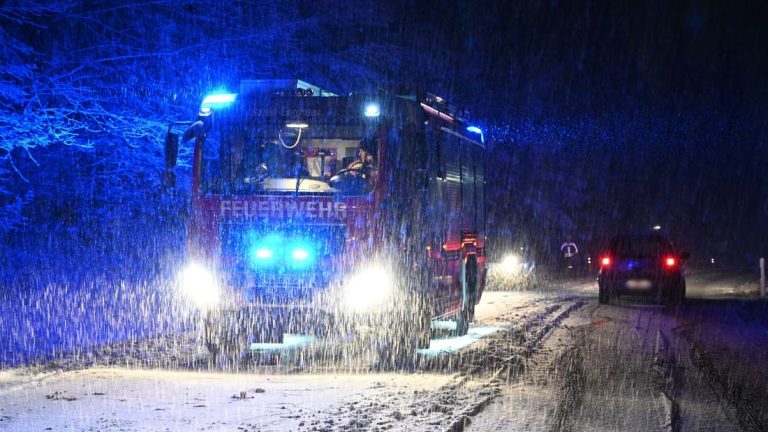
(605, 261)
(670, 262)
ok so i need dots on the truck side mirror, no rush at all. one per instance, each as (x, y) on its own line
(171, 150)
(193, 130)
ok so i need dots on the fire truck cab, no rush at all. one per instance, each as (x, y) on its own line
(312, 211)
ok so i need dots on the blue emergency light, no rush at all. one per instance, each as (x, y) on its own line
(264, 253)
(300, 254)
(477, 130)
(277, 250)
(219, 99)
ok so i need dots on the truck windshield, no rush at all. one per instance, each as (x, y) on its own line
(260, 159)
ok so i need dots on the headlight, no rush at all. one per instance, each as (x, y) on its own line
(199, 286)
(510, 264)
(368, 288)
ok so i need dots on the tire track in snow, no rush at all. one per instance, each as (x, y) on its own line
(572, 391)
(747, 414)
(507, 352)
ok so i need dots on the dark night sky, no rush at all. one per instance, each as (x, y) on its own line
(572, 57)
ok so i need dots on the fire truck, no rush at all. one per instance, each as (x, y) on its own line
(316, 212)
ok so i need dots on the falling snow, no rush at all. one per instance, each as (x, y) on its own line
(366, 216)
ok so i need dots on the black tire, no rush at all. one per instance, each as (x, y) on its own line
(231, 334)
(604, 294)
(423, 331)
(211, 338)
(422, 312)
(676, 296)
(424, 339)
(224, 334)
(672, 297)
(469, 295)
(397, 348)
(268, 329)
(411, 328)
(471, 287)
(462, 322)
(682, 291)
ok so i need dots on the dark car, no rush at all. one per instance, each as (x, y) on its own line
(645, 264)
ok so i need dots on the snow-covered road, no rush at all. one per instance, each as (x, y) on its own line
(551, 359)
(639, 366)
(96, 391)
(119, 399)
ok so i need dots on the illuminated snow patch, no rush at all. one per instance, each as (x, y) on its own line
(453, 344)
(444, 325)
(290, 341)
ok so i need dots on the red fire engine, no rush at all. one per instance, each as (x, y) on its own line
(312, 210)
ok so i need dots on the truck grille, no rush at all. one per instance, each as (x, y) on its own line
(282, 254)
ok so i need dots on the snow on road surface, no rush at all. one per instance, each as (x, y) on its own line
(95, 391)
(639, 366)
(107, 399)
(545, 360)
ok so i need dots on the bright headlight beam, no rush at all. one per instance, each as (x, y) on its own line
(199, 286)
(368, 288)
(510, 263)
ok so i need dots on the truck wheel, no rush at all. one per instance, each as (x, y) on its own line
(462, 322)
(396, 349)
(470, 282)
(225, 334)
(423, 332)
(211, 339)
(268, 329)
(468, 294)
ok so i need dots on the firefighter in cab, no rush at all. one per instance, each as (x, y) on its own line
(363, 164)
(359, 175)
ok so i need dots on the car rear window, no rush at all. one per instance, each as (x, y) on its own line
(640, 246)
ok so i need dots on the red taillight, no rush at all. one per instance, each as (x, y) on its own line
(670, 262)
(605, 261)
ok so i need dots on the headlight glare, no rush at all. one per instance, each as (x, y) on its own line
(510, 264)
(199, 286)
(368, 288)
